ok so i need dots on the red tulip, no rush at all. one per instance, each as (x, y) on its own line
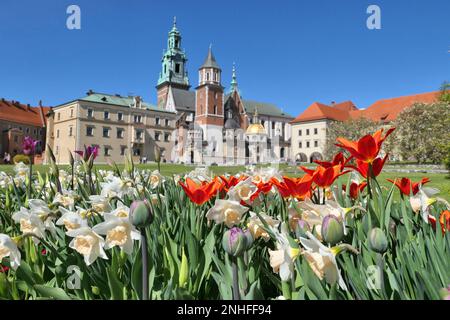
(444, 220)
(367, 148)
(324, 177)
(338, 159)
(355, 189)
(299, 188)
(405, 185)
(230, 182)
(200, 193)
(363, 167)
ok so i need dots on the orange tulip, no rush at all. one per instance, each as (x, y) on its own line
(338, 159)
(444, 220)
(355, 189)
(405, 185)
(363, 167)
(367, 148)
(201, 193)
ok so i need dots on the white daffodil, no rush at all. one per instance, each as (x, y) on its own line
(154, 198)
(156, 179)
(39, 207)
(256, 226)
(30, 223)
(119, 232)
(264, 175)
(121, 211)
(5, 180)
(199, 175)
(87, 243)
(8, 248)
(71, 220)
(313, 214)
(322, 260)
(423, 200)
(226, 211)
(116, 187)
(282, 259)
(100, 203)
(67, 199)
(21, 170)
(243, 191)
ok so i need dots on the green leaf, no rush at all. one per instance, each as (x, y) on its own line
(115, 286)
(49, 292)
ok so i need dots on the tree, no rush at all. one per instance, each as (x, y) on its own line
(445, 92)
(423, 132)
(351, 129)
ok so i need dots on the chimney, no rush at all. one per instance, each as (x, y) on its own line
(137, 102)
(40, 103)
(89, 92)
(28, 107)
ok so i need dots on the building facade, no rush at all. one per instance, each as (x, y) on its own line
(309, 129)
(17, 121)
(116, 124)
(212, 121)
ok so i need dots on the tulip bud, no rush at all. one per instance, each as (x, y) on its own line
(141, 214)
(95, 290)
(377, 240)
(249, 239)
(302, 228)
(234, 242)
(332, 229)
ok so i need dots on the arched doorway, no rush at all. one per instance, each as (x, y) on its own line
(315, 156)
(282, 155)
(301, 157)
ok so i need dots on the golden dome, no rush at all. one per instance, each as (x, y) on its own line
(256, 128)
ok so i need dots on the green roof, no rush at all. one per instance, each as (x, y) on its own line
(264, 108)
(119, 101)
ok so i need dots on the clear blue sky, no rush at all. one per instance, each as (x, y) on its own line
(291, 53)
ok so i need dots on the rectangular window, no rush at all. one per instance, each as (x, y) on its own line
(71, 113)
(157, 136)
(315, 131)
(90, 113)
(177, 68)
(57, 133)
(166, 137)
(157, 121)
(136, 152)
(273, 125)
(120, 133)
(139, 135)
(106, 115)
(123, 150)
(300, 132)
(59, 115)
(137, 119)
(106, 151)
(57, 150)
(105, 132)
(167, 122)
(34, 131)
(300, 145)
(316, 143)
(90, 131)
(307, 144)
(70, 131)
(119, 116)
(27, 130)
(307, 132)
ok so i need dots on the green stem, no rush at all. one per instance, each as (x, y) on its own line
(144, 251)
(234, 268)
(30, 178)
(380, 264)
(286, 289)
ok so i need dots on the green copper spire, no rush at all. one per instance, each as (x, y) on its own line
(234, 83)
(173, 68)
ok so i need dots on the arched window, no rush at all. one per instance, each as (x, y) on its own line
(215, 109)
(207, 76)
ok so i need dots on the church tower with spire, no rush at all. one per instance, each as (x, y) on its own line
(209, 103)
(173, 67)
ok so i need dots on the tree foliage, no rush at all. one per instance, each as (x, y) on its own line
(423, 132)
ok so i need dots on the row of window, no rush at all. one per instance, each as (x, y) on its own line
(316, 131)
(107, 116)
(308, 144)
(27, 130)
(120, 133)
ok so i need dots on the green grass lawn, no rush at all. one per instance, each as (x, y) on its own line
(438, 180)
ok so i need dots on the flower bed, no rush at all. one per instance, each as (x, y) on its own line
(134, 234)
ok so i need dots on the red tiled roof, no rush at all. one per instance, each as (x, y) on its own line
(318, 111)
(24, 114)
(389, 109)
(381, 110)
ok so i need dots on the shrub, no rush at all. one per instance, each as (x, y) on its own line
(21, 158)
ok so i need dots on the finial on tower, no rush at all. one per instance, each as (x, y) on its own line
(233, 78)
(174, 21)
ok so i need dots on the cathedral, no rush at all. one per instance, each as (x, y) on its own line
(215, 125)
